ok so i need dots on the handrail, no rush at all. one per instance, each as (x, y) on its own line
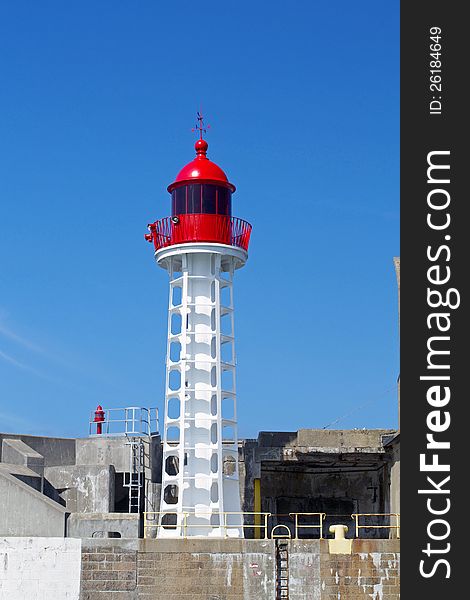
(298, 525)
(131, 421)
(198, 227)
(183, 525)
(280, 535)
(254, 525)
(153, 520)
(356, 516)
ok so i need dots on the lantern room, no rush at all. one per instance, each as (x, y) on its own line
(201, 207)
(201, 187)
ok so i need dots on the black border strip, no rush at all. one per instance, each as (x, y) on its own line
(424, 131)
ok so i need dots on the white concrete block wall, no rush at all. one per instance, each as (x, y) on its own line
(40, 568)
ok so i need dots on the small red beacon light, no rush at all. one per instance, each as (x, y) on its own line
(99, 418)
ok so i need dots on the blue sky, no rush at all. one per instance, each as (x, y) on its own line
(96, 107)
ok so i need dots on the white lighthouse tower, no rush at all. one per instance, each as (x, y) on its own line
(201, 246)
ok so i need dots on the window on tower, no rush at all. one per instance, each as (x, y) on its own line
(201, 199)
(209, 199)
(194, 199)
(178, 197)
(224, 201)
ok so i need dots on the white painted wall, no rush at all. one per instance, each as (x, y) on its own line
(41, 568)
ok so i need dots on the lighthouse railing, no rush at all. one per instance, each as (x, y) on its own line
(199, 227)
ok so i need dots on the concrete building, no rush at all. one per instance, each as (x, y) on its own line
(81, 486)
(64, 503)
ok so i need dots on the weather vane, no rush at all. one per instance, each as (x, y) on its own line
(200, 125)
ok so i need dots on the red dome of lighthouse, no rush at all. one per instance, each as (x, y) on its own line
(201, 206)
(201, 170)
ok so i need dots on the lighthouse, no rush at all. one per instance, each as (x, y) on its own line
(200, 245)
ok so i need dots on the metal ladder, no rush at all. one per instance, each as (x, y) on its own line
(282, 569)
(133, 479)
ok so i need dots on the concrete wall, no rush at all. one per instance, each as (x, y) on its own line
(249, 469)
(371, 571)
(338, 472)
(357, 440)
(395, 487)
(96, 452)
(88, 525)
(16, 452)
(84, 488)
(27, 512)
(338, 440)
(39, 569)
(394, 475)
(304, 570)
(178, 569)
(23, 474)
(103, 451)
(236, 570)
(56, 451)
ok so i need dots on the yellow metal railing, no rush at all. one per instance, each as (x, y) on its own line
(260, 524)
(298, 525)
(277, 536)
(153, 521)
(356, 516)
(257, 525)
